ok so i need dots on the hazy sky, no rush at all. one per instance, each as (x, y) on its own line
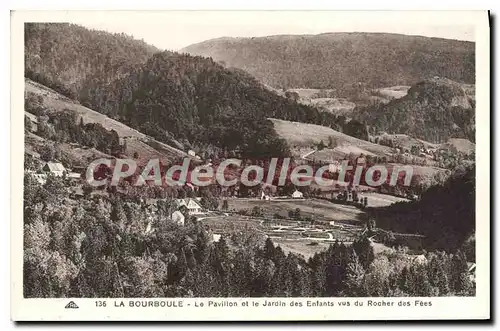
(176, 29)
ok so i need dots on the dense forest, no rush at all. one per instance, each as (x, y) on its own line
(67, 57)
(342, 61)
(435, 110)
(198, 100)
(99, 247)
(445, 213)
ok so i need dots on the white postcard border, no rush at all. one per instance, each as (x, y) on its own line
(442, 308)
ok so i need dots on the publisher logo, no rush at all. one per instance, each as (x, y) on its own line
(71, 305)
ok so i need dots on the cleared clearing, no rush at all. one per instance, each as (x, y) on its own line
(459, 145)
(319, 209)
(302, 135)
(393, 92)
(405, 141)
(138, 141)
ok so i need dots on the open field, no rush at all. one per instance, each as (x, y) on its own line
(459, 145)
(393, 92)
(381, 200)
(311, 93)
(232, 224)
(140, 142)
(291, 236)
(318, 209)
(305, 135)
(338, 106)
(406, 141)
(298, 236)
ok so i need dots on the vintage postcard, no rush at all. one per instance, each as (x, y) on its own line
(250, 166)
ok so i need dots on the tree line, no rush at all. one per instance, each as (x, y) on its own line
(101, 247)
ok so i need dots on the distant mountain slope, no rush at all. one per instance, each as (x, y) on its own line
(433, 110)
(342, 61)
(136, 141)
(70, 58)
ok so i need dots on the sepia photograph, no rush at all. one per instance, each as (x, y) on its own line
(250, 155)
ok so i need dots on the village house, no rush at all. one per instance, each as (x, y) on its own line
(40, 178)
(34, 121)
(472, 271)
(32, 153)
(264, 196)
(177, 217)
(419, 259)
(56, 168)
(192, 205)
(74, 176)
(79, 169)
(334, 167)
(361, 160)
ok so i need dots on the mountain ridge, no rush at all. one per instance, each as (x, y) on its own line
(326, 60)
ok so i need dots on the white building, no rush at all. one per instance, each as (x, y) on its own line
(34, 121)
(264, 196)
(297, 195)
(40, 178)
(192, 205)
(177, 217)
(56, 168)
(420, 259)
(74, 176)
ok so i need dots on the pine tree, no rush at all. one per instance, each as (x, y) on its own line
(420, 284)
(404, 280)
(364, 250)
(269, 250)
(437, 275)
(202, 249)
(460, 281)
(264, 273)
(317, 275)
(225, 205)
(355, 273)
(333, 270)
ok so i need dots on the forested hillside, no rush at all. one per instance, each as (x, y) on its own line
(197, 100)
(343, 61)
(164, 95)
(435, 110)
(70, 58)
(100, 247)
(445, 213)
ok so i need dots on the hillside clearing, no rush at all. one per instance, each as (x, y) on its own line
(136, 141)
(305, 135)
